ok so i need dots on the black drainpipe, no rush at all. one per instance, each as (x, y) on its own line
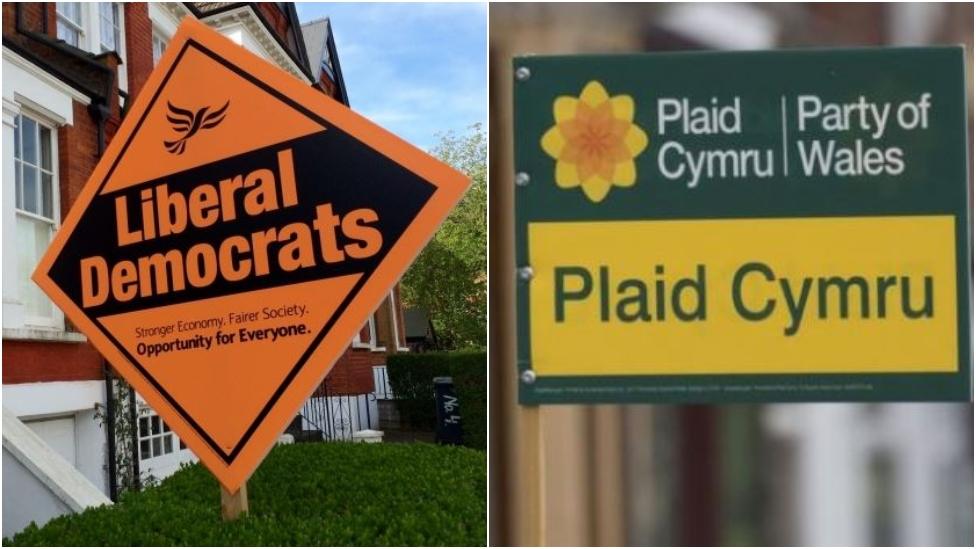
(100, 112)
(136, 480)
(113, 481)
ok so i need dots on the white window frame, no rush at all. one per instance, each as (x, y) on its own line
(29, 89)
(77, 26)
(357, 341)
(56, 321)
(149, 437)
(95, 41)
(52, 129)
(158, 37)
(90, 35)
(119, 36)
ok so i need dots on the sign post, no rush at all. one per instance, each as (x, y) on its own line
(233, 505)
(532, 452)
(236, 234)
(743, 227)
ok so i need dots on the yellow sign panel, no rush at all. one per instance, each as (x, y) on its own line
(744, 296)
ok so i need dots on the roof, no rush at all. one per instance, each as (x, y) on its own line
(207, 7)
(293, 47)
(316, 34)
(322, 55)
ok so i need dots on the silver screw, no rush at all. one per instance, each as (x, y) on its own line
(525, 273)
(522, 74)
(528, 377)
(522, 179)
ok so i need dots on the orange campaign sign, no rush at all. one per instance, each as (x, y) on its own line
(237, 233)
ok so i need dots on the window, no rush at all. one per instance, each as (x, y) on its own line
(155, 437)
(327, 64)
(36, 205)
(366, 337)
(69, 22)
(159, 46)
(108, 19)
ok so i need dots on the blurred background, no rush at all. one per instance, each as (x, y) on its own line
(808, 474)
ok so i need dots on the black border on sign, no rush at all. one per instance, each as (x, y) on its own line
(229, 457)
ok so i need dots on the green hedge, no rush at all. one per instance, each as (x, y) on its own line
(470, 373)
(316, 494)
(412, 379)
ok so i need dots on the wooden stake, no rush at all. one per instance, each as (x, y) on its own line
(607, 507)
(533, 477)
(232, 505)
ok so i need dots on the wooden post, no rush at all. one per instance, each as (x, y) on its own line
(533, 477)
(232, 505)
(606, 476)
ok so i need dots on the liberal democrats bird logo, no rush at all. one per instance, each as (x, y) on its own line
(188, 123)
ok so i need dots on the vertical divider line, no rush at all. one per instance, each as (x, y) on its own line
(786, 159)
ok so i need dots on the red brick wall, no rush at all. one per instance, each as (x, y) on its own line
(35, 361)
(138, 46)
(327, 86)
(77, 155)
(8, 18)
(52, 18)
(276, 17)
(353, 372)
(32, 13)
(376, 359)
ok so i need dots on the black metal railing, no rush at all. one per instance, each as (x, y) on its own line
(328, 415)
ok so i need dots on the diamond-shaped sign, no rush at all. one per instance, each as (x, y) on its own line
(237, 233)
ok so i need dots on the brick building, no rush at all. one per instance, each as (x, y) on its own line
(70, 71)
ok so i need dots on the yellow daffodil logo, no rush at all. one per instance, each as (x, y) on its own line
(594, 141)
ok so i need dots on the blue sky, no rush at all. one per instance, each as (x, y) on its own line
(415, 69)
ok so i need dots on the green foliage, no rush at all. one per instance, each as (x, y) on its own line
(126, 432)
(449, 278)
(470, 373)
(412, 379)
(314, 494)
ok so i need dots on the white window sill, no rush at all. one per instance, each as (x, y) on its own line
(44, 334)
(403, 349)
(368, 347)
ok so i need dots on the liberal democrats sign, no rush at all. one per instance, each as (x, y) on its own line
(238, 232)
(763, 226)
